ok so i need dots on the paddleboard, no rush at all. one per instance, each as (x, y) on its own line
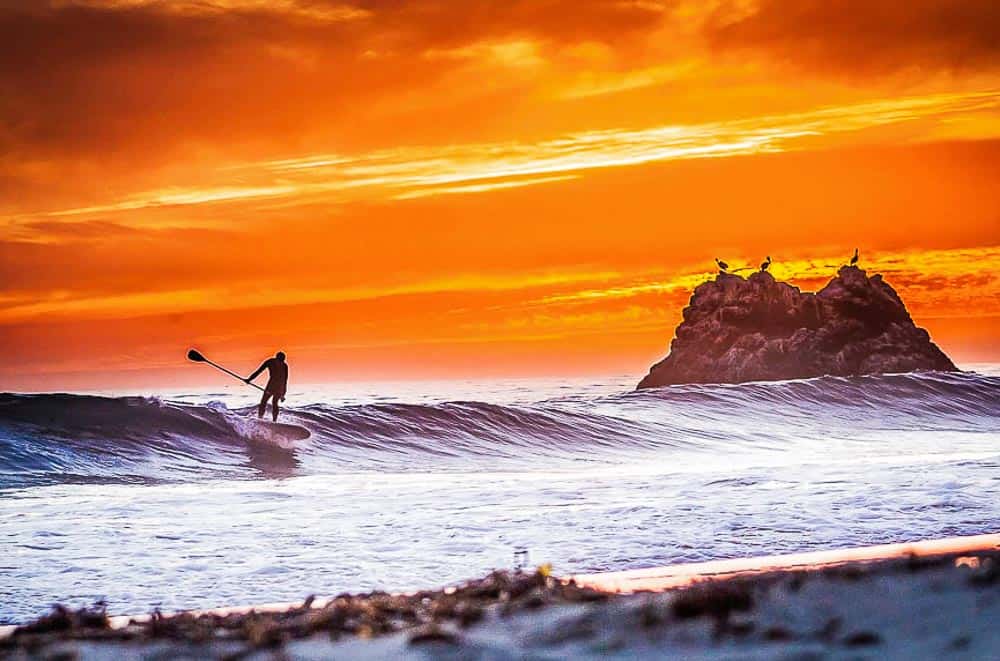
(278, 434)
(280, 429)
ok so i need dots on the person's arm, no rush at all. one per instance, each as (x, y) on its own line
(285, 388)
(263, 366)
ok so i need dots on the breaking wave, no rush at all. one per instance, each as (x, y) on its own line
(62, 438)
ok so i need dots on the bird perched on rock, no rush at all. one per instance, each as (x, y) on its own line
(854, 260)
(765, 264)
(723, 267)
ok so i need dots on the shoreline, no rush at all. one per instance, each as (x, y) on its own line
(658, 579)
(949, 587)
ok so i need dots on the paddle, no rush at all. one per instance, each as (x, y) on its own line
(195, 356)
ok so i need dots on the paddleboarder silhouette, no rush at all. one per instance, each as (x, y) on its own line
(277, 383)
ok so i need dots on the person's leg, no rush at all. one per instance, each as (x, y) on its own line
(274, 406)
(263, 404)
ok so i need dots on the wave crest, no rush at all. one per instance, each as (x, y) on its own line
(53, 438)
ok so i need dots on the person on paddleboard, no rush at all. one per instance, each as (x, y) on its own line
(277, 383)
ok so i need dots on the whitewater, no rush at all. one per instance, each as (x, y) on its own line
(169, 502)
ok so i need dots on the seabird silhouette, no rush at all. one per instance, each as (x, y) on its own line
(765, 264)
(723, 267)
(854, 260)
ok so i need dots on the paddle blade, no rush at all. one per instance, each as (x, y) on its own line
(195, 356)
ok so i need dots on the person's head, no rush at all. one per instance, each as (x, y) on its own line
(280, 356)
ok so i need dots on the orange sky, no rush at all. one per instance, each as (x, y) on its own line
(390, 189)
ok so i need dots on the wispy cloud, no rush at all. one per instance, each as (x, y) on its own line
(59, 304)
(413, 172)
(483, 187)
(316, 11)
(180, 197)
(963, 282)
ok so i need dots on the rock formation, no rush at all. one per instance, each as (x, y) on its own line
(759, 329)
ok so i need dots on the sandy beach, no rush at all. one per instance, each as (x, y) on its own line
(936, 599)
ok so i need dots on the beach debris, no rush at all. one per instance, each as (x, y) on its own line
(862, 638)
(777, 633)
(520, 558)
(915, 562)
(714, 599)
(985, 572)
(796, 580)
(732, 607)
(430, 614)
(651, 613)
(65, 620)
(433, 633)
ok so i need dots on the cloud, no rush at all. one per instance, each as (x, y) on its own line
(61, 260)
(54, 230)
(91, 76)
(870, 38)
(415, 172)
(126, 94)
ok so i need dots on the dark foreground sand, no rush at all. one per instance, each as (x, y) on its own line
(939, 605)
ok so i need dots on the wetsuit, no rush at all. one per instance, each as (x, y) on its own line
(277, 384)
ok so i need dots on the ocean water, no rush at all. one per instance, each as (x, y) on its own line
(169, 502)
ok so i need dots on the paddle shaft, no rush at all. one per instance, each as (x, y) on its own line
(232, 374)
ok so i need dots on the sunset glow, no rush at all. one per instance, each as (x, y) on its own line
(423, 189)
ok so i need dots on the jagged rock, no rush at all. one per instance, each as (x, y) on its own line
(759, 329)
